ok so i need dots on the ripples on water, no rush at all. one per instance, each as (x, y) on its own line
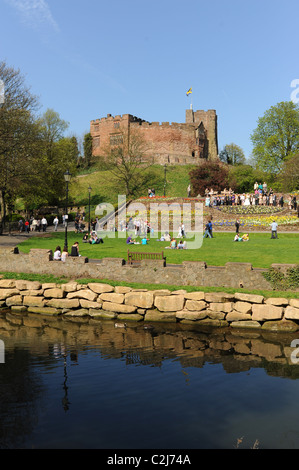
(86, 384)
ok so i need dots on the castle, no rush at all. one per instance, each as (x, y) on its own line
(177, 143)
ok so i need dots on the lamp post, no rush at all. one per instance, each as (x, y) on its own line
(67, 179)
(89, 192)
(165, 168)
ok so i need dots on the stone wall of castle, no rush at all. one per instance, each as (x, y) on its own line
(171, 143)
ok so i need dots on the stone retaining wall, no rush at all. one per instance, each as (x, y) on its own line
(189, 273)
(123, 304)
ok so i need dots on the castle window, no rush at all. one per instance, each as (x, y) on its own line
(96, 142)
(96, 127)
(116, 139)
(116, 125)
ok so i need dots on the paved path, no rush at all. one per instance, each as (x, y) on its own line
(16, 237)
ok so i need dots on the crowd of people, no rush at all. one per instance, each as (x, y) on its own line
(260, 196)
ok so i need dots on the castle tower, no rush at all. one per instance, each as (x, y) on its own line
(209, 120)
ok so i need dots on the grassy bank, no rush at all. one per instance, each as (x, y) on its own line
(58, 280)
(261, 251)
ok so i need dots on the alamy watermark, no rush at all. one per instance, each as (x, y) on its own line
(2, 92)
(295, 93)
(160, 218)
(2, 352)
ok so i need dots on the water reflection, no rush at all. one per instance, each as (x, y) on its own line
(42, 354)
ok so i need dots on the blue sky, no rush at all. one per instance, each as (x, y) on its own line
(86, 59)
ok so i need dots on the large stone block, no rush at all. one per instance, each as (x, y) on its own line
(191, 315)
(69, 287)
(140, 299)
(172, 303)
(195, 305)
(218, 297)
(112, 297)
(33, 301)
(122, 289)
(63, 303)
(82, 294)
(294, 303)
(88, 304)
(28, 285)
(5, 293)
(118, 308)
(243, 307)
(255, 299)
(44, 310)
(102, 314)
(291, 313)
(7, 283)
(237, 316)
(14, 300)
(246, 324)
(194, 296)
(282, 325)
(100, 288)
(225, 307)
(266, 312)
(55, 293)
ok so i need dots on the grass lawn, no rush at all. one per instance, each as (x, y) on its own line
(260, 251)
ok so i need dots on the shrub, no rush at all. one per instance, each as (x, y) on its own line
(281, 281)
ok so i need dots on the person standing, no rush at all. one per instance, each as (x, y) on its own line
(274, 227)
(21, 224)
(237, 225)
(44, 223)
(55, 222)
(189, 190)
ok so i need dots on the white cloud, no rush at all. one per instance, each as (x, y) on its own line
(35, 13)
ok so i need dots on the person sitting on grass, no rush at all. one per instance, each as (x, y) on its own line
(173, 244)
(93, 238)
(144, 241)
(85, 239)
(130, 241)
(180, 245)
(244, 238)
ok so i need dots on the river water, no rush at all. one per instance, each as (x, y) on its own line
(87, 384)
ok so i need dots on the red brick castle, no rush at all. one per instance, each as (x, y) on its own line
(187, 143)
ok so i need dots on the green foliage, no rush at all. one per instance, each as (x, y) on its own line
(276, 137)
(232, 154)
(281, 281)
(289, 176)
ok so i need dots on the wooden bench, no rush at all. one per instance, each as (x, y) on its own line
(135, 257)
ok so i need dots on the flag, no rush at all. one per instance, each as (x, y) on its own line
(189, 92)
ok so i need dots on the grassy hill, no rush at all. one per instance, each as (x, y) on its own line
(104, 187)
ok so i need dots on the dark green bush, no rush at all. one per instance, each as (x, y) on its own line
(281, 281)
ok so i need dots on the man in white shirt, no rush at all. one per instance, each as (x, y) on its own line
(274, 229)
(44, 224)
(55, 222)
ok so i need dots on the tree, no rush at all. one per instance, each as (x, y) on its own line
(276, 137)
(87, 146)
(208, 175)
(19, 135)
(59, 154)
(232, 154)
(243, 177)
(126, 163)
(290, 174)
